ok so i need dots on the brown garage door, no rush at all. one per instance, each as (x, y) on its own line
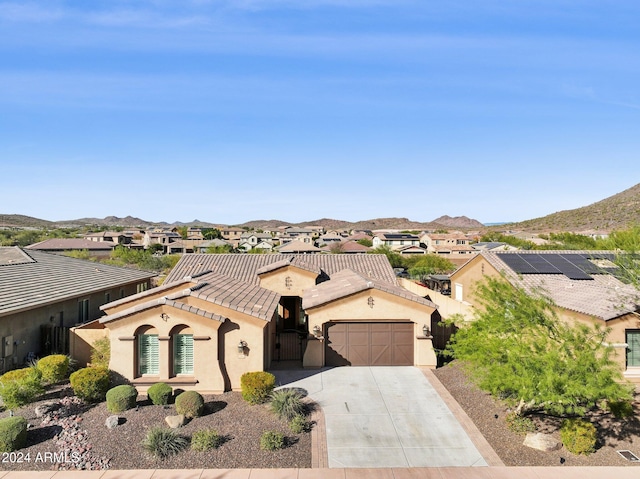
(369, 344)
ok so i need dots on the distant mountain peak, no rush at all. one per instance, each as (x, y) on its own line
(458, 222)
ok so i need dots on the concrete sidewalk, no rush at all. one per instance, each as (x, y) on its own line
(393, 473)
(381, 417)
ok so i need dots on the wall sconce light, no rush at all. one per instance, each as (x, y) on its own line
(370, 302)
(241, 346)
(317, 331)
(426, 331)
(164, 316)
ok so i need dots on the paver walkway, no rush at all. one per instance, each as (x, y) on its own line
(382, 417)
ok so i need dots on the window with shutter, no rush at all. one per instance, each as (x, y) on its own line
(633, 348)
(148, 354)
(183, 354)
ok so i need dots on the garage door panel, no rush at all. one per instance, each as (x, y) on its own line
(402, 345)
(336, 350)
(369, 344)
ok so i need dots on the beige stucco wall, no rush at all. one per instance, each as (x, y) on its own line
(218, 365)
(300, 280)
(386, 307)
(447, 307)
(472, 272)
(124, 348)
(81, 341)
(616, 337)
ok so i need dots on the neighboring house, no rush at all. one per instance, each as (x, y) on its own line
(194, 233)
(264, 245)
(124, 238)
(328, 239)
(219, 316)
(65, 245)
(232, 235)
(435, 242)
(316, 229)
(346, 247)
(582, 284)
(40, 291)
(214, 243)
(160, 237)
(395, 240)
(252, 239)
(493, 246)
(298, 246)
(301, 233)
(410, 249)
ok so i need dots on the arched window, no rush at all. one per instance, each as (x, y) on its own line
(148, 352)
(182, 338)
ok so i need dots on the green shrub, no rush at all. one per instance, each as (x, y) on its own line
(17, 374)
(257, 386)
(519, 424)
(620, 409)
(90, 384)
(13, 433)
(160, 393)
(190, 403)
(121, 398)
(287, 403)
(54, 368)
(162, 442)
(578, 436)
(205, 439)
(101, 352)
(271, 440)
(20, 387)
(299, 424)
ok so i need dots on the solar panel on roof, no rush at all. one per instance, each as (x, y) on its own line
(567, 268)
(582, 262)
(517, 263)
(539, 262)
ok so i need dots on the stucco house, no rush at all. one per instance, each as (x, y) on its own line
(583, 285)
(42, 293)
(395, 240)
(218, 316)
(65, 245)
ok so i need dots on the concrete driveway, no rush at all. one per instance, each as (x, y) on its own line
(385, 417)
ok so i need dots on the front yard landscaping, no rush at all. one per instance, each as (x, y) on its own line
(73, 435)
(491, 416)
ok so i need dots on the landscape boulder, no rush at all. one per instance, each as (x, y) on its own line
(46, 408)
(112, 422)
(175, 422)
(541, 442)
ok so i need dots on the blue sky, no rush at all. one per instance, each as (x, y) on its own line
(229, 111)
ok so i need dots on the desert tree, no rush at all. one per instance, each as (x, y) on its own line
(518, 349)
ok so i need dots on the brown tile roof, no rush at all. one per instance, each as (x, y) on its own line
(604, 296)
(288, 262)
(66, 244)
(244, 267)
(237, 295)
(159, 302)
(213, 288)
(44, 278)
(346, 283)
(296, 246)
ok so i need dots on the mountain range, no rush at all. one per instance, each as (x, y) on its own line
(615, 212)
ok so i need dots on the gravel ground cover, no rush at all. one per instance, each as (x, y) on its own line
(489, 414)
(74, 436)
